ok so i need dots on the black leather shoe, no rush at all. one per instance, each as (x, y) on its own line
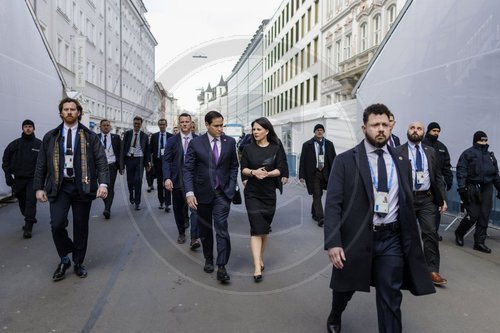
(257, 278)
(209, 266)
(482, 248)
(28, 227)
(161, 206)
(167, 209)
(459, 239)
(137, 207)
(222, 275)
(61, 271)
(80, 271)
(131, 198)
(106, 214)
(334, 323)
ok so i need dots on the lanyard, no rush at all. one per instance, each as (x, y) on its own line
(73, 139)
(102, 140)
(414, 160)
(375, 179)
(316, 146)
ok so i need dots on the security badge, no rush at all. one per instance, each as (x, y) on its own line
(131, 150)
(381, 202)
(108, 151)
(420, 178)
(68, 161)
(162, 150)
(321, 158)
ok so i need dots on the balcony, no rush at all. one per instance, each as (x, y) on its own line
(350, 70)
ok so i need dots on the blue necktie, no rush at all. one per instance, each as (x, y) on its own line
(382, 175)
(419, 166)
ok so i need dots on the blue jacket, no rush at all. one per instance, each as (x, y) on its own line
(173, 161)
(200, 169)
(477, 165)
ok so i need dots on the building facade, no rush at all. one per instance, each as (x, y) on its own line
(105, 51)
(245, 84)
(291, 59)
(212, 99)
(351, 30)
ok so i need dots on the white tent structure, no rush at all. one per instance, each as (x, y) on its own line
(30, 87)
(440, 62)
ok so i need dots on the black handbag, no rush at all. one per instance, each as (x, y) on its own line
(237, 196)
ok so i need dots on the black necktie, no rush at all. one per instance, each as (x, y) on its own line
(320, 152)
(382, 172)
(418, 167)
(161, 144)
(105, 144)
(69, 150)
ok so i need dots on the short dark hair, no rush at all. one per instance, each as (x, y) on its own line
(266, 124)
(71, 100)
(211, 115)
(103, 120)
(376, 109)
(162, 119)
(185, 114)
(138, 118)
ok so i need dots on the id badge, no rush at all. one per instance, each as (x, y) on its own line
(68, 161)
(108, 151)
(420, 178)
(162, 150)
(321, 158)
(381, 202)
(131, 150)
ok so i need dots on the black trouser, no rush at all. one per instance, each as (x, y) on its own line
(319, 184)
(135, 170)
(181, 213)
(426, 211)
(23, 190)
(478, 213)
(67, 197)
(387, 277)
(164, 196)
(113, 170)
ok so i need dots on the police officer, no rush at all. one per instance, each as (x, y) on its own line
(19, 162)
(477, 172)
(431, 139)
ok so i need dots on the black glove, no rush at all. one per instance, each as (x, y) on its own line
(464, 194)
(10, 181)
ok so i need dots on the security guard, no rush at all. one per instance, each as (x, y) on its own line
(477, 172)
(19, 162)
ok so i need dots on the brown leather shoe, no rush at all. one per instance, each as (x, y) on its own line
(181, 239)
(194, 244)
(437, 279)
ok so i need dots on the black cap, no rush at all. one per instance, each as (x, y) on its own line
(318, 126)
(28, 122)
(479, 135)
(432, 126)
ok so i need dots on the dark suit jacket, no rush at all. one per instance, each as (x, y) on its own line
(437, 185)
(396, 140)
(200, 169)
(173, 161)
(97, 165)
(307, 166)
(349, 216)
(143, 140)
(154, 144)
(116, 143)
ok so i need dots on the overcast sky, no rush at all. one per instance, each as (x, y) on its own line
(182, 25)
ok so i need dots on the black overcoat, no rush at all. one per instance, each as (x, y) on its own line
(307, 166)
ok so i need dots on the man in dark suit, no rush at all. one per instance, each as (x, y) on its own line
(135, 155)
(159, 142)
(210, 173)
(393, 139)
(316, 161)
(173, 162)
(370, 229)
(112, 147)
(71, 171)
(429, 193)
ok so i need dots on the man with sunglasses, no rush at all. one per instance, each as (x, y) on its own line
(477, 173)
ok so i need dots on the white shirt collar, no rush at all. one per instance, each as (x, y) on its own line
(73, 128)
(412, 145)
(371, 148)
(211, 138)
(190, 135)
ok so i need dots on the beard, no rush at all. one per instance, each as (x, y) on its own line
(374, 142)
(414, 137)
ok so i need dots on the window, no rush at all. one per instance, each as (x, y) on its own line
(329, 8)
(329, 61)
(290, 98)
(302, 23)
(296, 99)
(286, 100)
(309, 19)
(301, 60)
(364, 37)
(315, 87)
(316, 50)
(302, 93)
(347, 47)
(308, 90)
(297, 31)
(292, 36)
(297, 63)
(338, 55)
(308, 55)
(377, 33)
(316, 11)
(391, 15)
(60, 50)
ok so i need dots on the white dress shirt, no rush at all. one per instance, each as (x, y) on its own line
(110, 153)
(412, 155)
(74, 133)
(138, 151)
